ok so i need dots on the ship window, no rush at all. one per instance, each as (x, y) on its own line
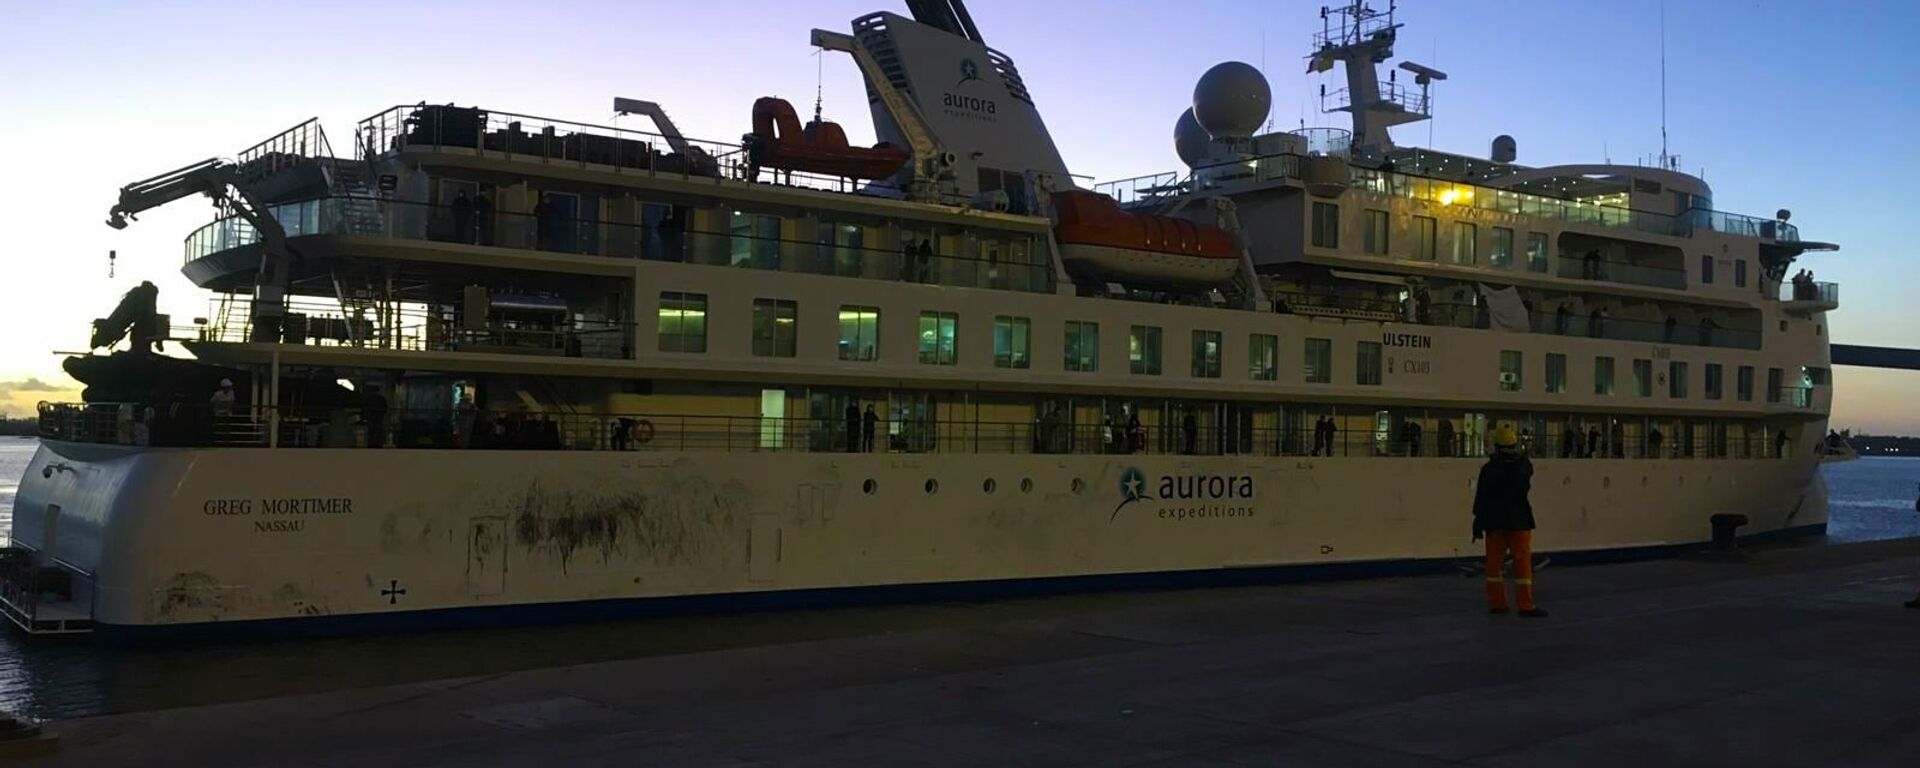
(1206, 354)
(1677, 379)
(755, 241)
(1706, 269)
(1603, 376)
(1423, 237)
(1263, 357)
(1083, 346)
(1642, 378)
(1743, 383)
(1536, 251)
(1366, 370)
(1466, 243)
(1326, 225)
(1376, 234)
(1012, 341)
(773, 327)
(1510, 364)
(1319, 361)
(1740, 273)
(1774, 380)
(1556, 373)
(683, 322)
(1713, 377)
(844, 245)
(1143, 349)
(1502, 255)
(859, 333)
(939, 337)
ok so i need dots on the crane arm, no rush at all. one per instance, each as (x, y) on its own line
(210, 177)
(905, 113)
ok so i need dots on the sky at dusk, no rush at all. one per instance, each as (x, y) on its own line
(1806, 106)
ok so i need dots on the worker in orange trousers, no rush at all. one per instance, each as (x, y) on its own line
(1504, 517)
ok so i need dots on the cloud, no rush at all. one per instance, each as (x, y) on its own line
(29, 384)
(18, 397)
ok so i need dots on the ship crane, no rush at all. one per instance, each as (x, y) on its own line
(226, 184)
(931, 162)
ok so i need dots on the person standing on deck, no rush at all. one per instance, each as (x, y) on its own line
(868, 422)
(1504, 517)
(853, 427)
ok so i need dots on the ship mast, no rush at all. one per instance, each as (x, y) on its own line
(1361, 38)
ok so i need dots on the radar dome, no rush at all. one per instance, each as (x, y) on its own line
(1231, 100)
(1189, 139)
(1504, 149)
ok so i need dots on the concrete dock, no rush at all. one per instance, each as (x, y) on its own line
(1798, 657)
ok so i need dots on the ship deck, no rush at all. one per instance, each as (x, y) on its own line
(1798, 657)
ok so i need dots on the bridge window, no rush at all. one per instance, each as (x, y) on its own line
(1536, 252)
(1376, 234)
(1083, 346)
(683, 322)
(1642, 378)
(1743, 383)
(1143, 349)
(1713, 377)
(1319, 361)
(1366, 370)
(1466, 243)
(859, 333)
(1603, 376)
(1510, 364)
(1206, 354)
(1263, 357)
(1012, 341)
(1423, 238)
(1677, 380)
(773, 327)
(1556, 373)
(939, 338)
(1326, 225)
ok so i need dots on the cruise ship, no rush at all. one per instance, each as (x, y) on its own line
(484, 367)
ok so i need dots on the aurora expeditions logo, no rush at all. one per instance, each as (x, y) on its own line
(1187, 497)
(968, 107)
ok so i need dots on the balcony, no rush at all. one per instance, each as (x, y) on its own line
(1809, 296)
(1618, 329)
(1630, 273)
(1804, 398)
(518, 326)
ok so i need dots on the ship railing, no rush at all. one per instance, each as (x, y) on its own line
(1139, 188)
(550, 141)
(1616, 271)
(353, 423)
(1012, 261)
(1800, 397)
(1451, 193)
(287, 149)
(1155, 189)
(1457, 315)
(408, 325)
(1741, 224)
(1412, 100)
(1815, 291)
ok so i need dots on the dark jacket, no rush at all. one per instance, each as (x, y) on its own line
(1500, 498)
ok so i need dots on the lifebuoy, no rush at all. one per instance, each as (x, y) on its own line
(643, 431)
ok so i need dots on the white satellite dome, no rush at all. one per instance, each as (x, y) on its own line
(1232, 100)
(1189, 139)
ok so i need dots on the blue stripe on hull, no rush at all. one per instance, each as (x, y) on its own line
(495, 616)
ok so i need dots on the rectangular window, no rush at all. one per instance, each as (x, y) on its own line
(774, 322)
(1740, 273)
(1326, 225)
(1143, 349)
(683, 322)
(939, 338)
(859, 333)
(1502, 255)
(1423, 237)
(1713, 381)
(1366, 369)
(1706, 270)
(1083, 346)
(1263, 357)
(1376, 235)
(1642, 378)
(1677, 380)
(1466, 243)
(1206, 354)
(1603, 376)
(1012, 341)
(1556, 373)
(1510, 362)
(1743, 383)
(1774, 381)
(1536, 251)
(755, 240)
(1319, 361)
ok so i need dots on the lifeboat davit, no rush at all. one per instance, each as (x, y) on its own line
(820, 148)
(1098, 239)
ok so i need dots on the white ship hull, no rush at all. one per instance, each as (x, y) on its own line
(234, 541)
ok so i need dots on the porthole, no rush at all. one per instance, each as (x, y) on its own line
(933, 486)
(1079, 486)
(1606, 482)
(1568, 480)
(988, 486)
(1026, 485)
(869, 486)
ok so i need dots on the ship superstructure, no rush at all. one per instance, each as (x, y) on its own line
(490, 366)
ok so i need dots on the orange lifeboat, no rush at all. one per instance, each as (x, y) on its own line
(820, 148)
(1098, 239)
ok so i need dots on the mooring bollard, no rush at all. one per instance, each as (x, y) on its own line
(1724, 527)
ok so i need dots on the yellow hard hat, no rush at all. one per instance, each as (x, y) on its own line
(1504, 437)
